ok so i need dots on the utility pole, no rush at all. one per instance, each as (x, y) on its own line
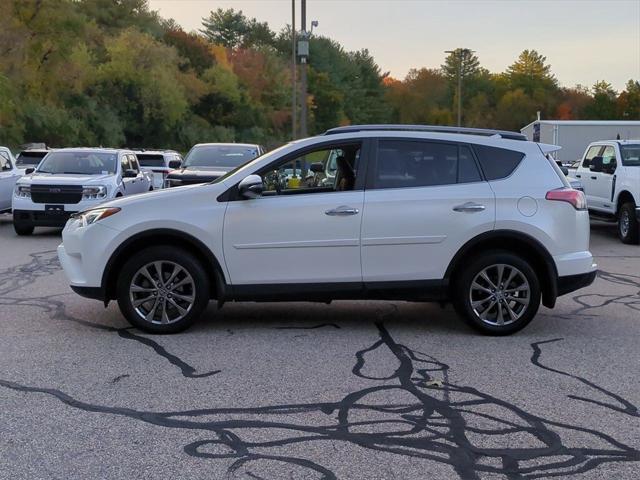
(303, 71)
(294, 67)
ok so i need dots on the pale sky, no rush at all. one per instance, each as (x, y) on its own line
(583, 40)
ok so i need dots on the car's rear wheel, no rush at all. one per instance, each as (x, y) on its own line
(162, 290)
(22, 229)
(498, 293)
(628, 229)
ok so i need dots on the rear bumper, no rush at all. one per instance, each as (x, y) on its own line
(41, 218)
(571, 283)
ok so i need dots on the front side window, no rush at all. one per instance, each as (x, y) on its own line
(5, 164)
(325, 170)
(228, 156)
(630, 155)
(592, 152)
(79, 163)
(134, 163)
(609, 158)
(407, 163)
(124, 162)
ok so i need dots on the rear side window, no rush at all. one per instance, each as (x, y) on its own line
(150, 160)
(407, 163)
(497, 163)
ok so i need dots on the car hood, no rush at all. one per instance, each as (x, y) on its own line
(213, 172)
(64, 179)
(155, 199)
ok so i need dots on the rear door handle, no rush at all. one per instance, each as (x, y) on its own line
(578, 176)
(469, 207)
(342, 211)
(594, 178)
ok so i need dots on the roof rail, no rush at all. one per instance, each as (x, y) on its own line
(428, 128)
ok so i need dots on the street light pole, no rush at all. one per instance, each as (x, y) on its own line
(303, 72)
(294, 65)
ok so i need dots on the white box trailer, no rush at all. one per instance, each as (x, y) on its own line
(574, 135)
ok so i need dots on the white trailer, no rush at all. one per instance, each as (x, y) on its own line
(574, 135)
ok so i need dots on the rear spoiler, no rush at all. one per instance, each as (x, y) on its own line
(548, 148)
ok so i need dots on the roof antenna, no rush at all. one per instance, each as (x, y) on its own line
(618, 137)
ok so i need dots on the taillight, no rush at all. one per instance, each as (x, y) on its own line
(575, 197)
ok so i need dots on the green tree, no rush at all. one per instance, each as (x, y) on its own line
(233, 29)
(603, 106)
(628, 103)
(531, 72)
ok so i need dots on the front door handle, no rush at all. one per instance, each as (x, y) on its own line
(342, 211)
(594, 178)
(578, 176)
(469, 207)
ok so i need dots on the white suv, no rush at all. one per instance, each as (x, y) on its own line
(479, 218)
(70, 180)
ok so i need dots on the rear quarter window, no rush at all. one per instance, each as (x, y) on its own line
(150, 160)
(497, 163)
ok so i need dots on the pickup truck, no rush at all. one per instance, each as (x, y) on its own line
(9, 174)
(610, 175)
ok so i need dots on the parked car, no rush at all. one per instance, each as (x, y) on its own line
(30, 158)
(479, 218)
(207, 161)
(160, 163)
(9, 174)
(70, 180)
(610, 175)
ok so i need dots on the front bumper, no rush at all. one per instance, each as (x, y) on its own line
(571, 283)
(41, 218)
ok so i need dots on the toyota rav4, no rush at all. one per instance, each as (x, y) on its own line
(479, 218)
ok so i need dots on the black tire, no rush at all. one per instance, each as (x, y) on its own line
(198, 288)
(525, 278)
(628, 229)
(22, 229)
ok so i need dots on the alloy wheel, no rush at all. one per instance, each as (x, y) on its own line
(499, 294)
(162, 292)
(625, 224)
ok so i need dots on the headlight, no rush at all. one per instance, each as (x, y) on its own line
(22, 191)
(94, 192)
(89, 217)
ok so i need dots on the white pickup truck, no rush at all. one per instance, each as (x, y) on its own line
(9, 174)
(610, 175)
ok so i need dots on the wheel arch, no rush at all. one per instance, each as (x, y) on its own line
(518, 243)
(155, 237)
(624, 196)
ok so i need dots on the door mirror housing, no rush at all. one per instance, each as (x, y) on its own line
(129, 173)
(596, 164)
(29, 171)
(175, 164)
(317, 167)
(251, 186)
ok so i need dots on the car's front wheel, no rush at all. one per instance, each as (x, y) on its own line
(22, 229)
(162, 289)
(498, 293)
(628, 229)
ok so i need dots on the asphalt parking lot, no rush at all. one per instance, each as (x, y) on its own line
(351, 390)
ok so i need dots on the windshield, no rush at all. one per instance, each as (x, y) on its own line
(80, 163)
(630, 155)
(29, 159)
(220, 155)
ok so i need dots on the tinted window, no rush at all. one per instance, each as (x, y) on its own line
(630, 155)
(405, 163)
(29, 159)
(220, 155)
(150, 160)
(497, 163)
(5, 164)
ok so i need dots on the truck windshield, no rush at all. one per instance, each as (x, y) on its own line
(80, 163)
(219, 155)
(630, 155)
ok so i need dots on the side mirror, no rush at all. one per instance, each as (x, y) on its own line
(174, 164)
(564, 170)
(129, 173)
(317, 167)
(251, 186)
(29, 171)
(596, 164)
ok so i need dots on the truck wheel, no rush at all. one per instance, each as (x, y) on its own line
(22, 229)
(498, 293)
(162, 289)
(628, 229)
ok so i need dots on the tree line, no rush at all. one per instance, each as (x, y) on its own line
(114, 73)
